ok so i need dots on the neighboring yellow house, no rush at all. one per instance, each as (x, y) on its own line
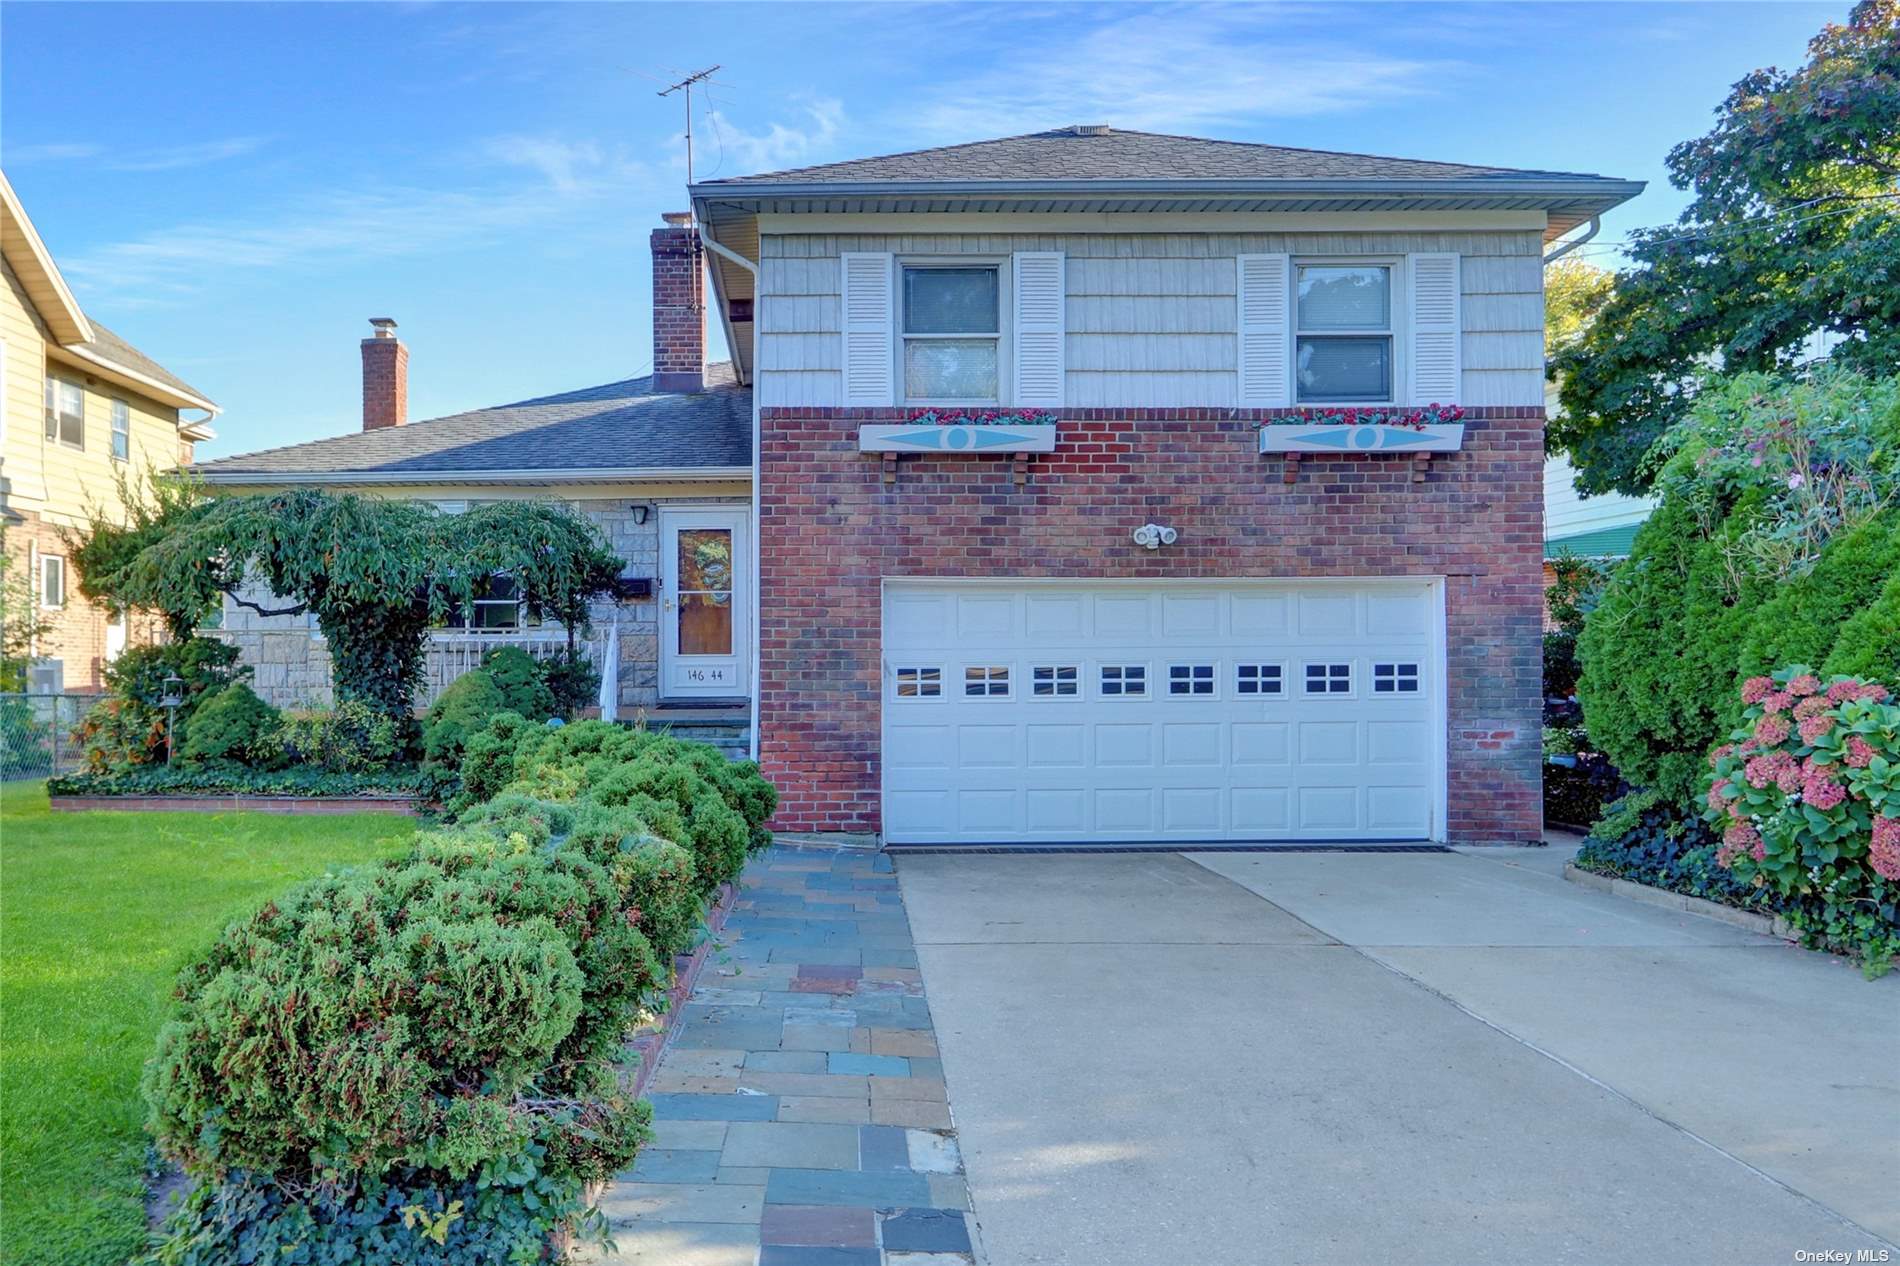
(78, 405)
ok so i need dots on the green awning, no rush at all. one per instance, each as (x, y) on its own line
(1609, 542)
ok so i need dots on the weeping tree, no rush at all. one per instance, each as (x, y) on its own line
(375, 573)
(152, 505)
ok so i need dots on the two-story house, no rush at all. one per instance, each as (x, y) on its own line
(79, 406)
(964, 647)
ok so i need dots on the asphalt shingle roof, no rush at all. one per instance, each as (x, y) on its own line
(1065, 154)
(111, 347)
(617, 426)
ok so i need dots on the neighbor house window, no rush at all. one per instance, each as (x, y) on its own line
(52, 582)
(1343, 339)
(951, 321)
(65, 412)
(121, 430)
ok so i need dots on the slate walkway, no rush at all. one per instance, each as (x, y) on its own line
(799, 1112)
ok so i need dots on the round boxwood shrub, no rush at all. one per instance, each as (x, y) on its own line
(458, 712)
(522, 682)
(234, 726)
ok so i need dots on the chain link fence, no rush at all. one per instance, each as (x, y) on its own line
(36, 734)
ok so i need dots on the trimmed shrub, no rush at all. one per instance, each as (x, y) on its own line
(350, 738)
(458, 712)
(1807, 796)
(1869, 641)
(236, 727)
(1648, 839)
(293, 780)
(127, 727)
(1773, 534)
(574, 683)
(523, 687)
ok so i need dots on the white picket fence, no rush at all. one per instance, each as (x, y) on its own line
(452, 654)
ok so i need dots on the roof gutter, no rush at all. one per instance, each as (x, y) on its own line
(1596, 225)
(727, 253)
(542, 475)
(158, 390)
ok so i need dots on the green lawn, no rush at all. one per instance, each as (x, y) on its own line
(97, 913)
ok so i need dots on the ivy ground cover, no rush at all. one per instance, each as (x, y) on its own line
(101, 910)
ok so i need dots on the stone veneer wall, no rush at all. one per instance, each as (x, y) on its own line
(832, 529)
(292, 666)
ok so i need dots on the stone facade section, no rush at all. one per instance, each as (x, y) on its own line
(293, 667)
(832, 529)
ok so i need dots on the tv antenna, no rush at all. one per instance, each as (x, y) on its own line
(686, 86)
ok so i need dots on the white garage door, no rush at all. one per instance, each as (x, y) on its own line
(1124, 713)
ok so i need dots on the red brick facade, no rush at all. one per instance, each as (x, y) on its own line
(679, 308)
(831, 529)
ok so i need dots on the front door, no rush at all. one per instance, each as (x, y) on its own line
(705, 620)
(115, 635)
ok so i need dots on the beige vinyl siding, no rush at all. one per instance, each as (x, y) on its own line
(1150, 317)
(24, 403)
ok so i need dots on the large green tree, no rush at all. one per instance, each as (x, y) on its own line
(376, 573)
(1794, 230)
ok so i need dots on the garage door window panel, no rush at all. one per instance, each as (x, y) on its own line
(1259, 679)
(1329, 679)
(986, 681)
(1394, 678)
(1055, 681)
(919, 683)
(1124, 681)
(1191, 679)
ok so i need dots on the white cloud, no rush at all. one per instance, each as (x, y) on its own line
(161, 158)
(723, 148)
(1174, 70)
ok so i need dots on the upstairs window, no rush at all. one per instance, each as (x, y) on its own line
(52, 582)
(65, 413)
(121, 430)
(1343, 335)
(951, 325)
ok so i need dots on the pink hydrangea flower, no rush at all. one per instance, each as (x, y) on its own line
(1873, 690)
(1771, 730)
(1822, 792)
(1716, 756)
(1884, 852)
(1718, 793)
(1860, 753)
(1842, 691)
(1805, 684)
(1755, 689)
(1777, 702)
(1812, 706)
(1788, 775)
(1815, 728)
(1759, 771)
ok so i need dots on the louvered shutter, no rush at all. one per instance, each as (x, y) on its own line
(868, 329)
(1432, 281)
(1264, 298)
(1038, 328)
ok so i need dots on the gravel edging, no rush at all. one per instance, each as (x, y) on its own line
(1766, 924)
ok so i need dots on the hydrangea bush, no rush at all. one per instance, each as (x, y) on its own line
(1806, 797)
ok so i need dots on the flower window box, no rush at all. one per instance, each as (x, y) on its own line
(942, 431)
(1433, 429)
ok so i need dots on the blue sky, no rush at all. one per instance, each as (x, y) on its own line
(236, 188)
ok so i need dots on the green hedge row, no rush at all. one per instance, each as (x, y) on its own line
(415, 1061)
(298, 780)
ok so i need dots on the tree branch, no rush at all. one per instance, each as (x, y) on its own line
(246, 603)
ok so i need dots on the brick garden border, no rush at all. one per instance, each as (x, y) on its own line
(651, 1044)
(413, 806)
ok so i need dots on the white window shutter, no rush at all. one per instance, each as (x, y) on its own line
(1038, 328)
(1432, 282)
(868, 328)
(1265, 296)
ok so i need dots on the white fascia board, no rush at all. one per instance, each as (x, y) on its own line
(136, 381)
(788, 223)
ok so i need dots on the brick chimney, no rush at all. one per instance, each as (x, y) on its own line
(385, 377)
(679, 306)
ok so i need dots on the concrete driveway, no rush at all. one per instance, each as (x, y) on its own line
(1335, 1058)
